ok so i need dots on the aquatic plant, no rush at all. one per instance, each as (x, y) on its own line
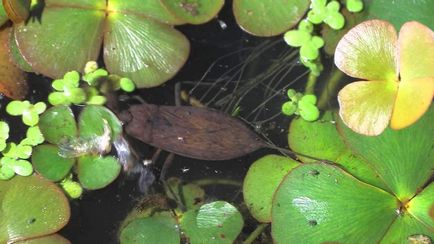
(129, 43)
(383, 179)
(267, 17)
(398, 89)
(299, 104)
(81, 148)
(321, 11)
(29, 112)
(193, 218)
(31, 207)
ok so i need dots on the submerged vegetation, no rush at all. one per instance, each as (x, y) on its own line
(338, 169)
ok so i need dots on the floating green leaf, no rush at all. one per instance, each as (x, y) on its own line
(268, 17)
(91, 122)
(48, 163)
(30, 113)
(261, 182)
(218, 222)
(31, 207)
(50, 239)
(159, 228)
(95, 172)
(58, 124)
(321, 202)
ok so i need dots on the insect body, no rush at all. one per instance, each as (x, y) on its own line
(193, 132)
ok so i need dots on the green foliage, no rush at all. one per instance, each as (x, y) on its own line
(200, 222)
(375, 176)
(268, 17)
(72, 188)
(321, 11)
(29, 112)
(67, 90)
(392, 81)
(83, 145)
(303, 105)
(4, 134)
(354, 5)
(31, 207)
(309, 45)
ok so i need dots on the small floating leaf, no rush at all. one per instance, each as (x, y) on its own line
(213, 222)
(57, 124)
(268, 17)
(47, 162)
(96, 172)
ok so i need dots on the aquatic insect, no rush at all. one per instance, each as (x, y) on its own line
(79, 146)
(199, 133)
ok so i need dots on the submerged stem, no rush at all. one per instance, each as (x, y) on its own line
(259, 229)
(206, 182)
(330, 88)
(310, 85)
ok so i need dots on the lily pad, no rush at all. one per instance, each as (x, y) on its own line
(13, 81)
(194, 11)
(216, 222)
(422, 206)
(261, 182)
(268, 17)
(404, 228)
(138, 43)
(91, 122)
(96, 172)
(321, 202)
(47, 162)
(57, 124)
(159, 228)
(31, 207)
(406, 153)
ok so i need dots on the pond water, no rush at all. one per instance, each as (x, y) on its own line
(227, 70)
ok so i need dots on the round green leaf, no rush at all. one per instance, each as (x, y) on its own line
(6, 172)
(321, 203)
(4, 130)
(268, 17)
(31, 207)
(57, 124)
(216, 222)
(404, 159)
(261, 181)
(30, 118)
(127, 85)
(160, 228)
(91, 122)
(47, 162)
(16, 108)
(96, 172)
(194, 12)
(46, 44)
(146, 51)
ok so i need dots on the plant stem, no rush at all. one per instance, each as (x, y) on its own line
(330, 88)
(310, 85)
(255, 233)
(206, 182)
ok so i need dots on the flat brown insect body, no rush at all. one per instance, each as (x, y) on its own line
(189, 131)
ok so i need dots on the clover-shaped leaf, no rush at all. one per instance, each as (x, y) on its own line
(321, 11)
(33, 136)
(399, 96)
(67, 90)
(30, 113)
(135, 37)
(84, 146)
(303, 105)
(302, 37)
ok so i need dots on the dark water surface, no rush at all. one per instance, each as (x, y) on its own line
(224, 54)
